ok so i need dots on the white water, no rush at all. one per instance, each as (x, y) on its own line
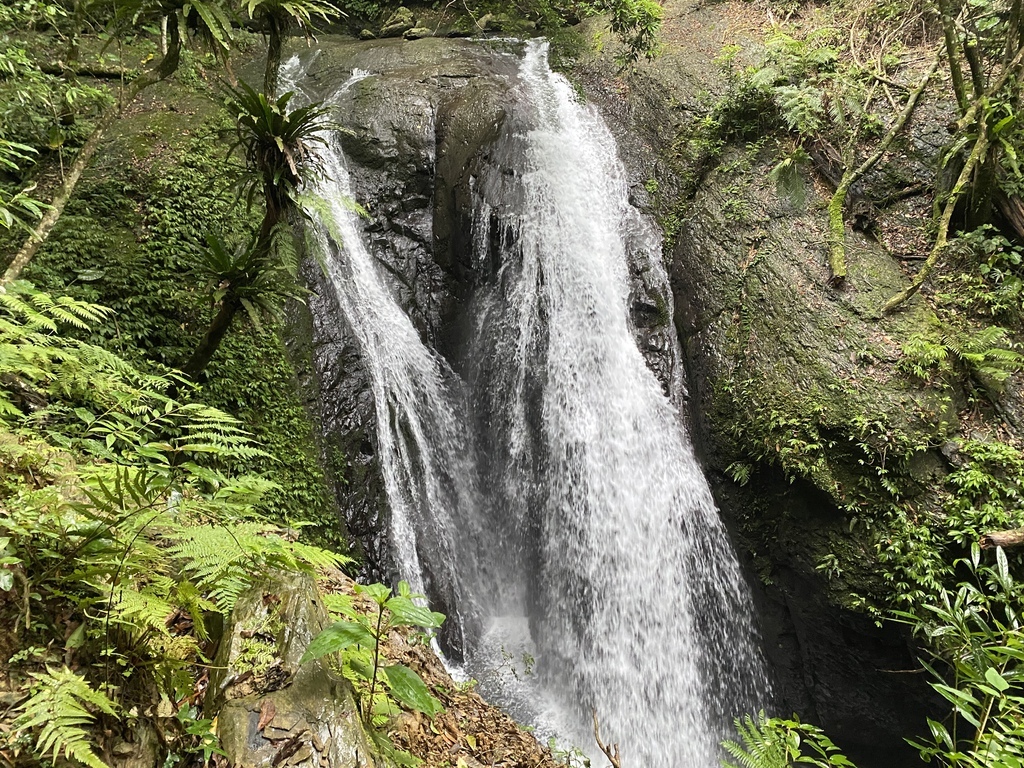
(596, 546)
(420, 443)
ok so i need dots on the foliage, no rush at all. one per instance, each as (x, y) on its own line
(40, 109)
(276, 141)
(59, 710)
(981, 495)
(987, 352)
(18, 208)
(122, 520)
(359, 639)
(771, 742)
(975, 637)
(637, 23)
(987, 280)
(260, 287)
(129, 244)
(301, 13)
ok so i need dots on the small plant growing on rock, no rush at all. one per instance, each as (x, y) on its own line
(359, 639)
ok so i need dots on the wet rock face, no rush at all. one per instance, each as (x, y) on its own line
(434, 118)
(412, 132)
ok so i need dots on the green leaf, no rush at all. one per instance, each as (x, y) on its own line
(6, 580)
(410, 690)
(377, 592)
(407, 613)
(996, 680)
(77, 637)
(337, 637)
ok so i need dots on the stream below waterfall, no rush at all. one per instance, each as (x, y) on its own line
(541, 482)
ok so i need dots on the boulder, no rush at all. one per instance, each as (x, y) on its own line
(272, 710)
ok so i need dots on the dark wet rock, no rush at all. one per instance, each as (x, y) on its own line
(426, 102)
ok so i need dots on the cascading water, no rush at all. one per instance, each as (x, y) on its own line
(423, 452)
(597, 529)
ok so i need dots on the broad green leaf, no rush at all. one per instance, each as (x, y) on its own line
(378, 592)
(410, 690)
(6, 580)
(407, 613)
(337, 637)
(996, 680)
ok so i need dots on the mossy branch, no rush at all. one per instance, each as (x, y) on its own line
(979, 152)
(836, 225)
(955, 72)
(167, 66)
(977, 155)
(1010, 538)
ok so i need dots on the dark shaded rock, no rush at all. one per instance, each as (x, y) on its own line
(404, 123)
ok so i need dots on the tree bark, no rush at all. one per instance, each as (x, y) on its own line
(1012, 209)
(167, 66)
(214, 336)
(274, 42)
(955, 72)
(1011, 538)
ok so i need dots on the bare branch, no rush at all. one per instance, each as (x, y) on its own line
(611, 751)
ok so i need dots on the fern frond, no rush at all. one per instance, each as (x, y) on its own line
(59, 711)
(763, 746)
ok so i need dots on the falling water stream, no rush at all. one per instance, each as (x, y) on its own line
(565, 518)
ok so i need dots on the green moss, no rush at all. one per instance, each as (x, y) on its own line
(131, 240)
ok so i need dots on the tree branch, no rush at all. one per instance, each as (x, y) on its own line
(611, 751)
(1010, 538)
(836, 224)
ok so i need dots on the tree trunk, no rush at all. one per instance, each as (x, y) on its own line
(1012, 209)
(836, 224)
(977, 154)
(214, 336)
(952, 56)
(1011, 538)
(274, 42)
(167, 66)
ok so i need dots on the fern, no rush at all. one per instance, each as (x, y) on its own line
(777, 743)
(120, 505)
(988, 352)
(763, 745)
(802, 108)
(59, 711)
(224, 560)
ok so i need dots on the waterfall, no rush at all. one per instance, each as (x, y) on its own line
(421, 442)
(549, 498)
